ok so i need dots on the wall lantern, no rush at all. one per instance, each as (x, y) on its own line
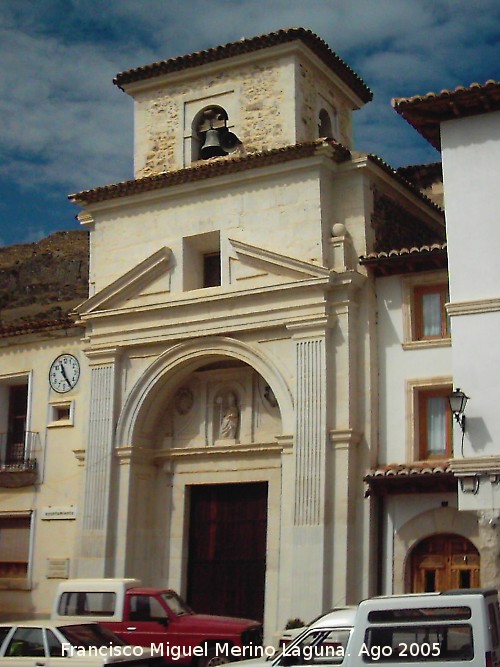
(469, 484)
(458, 400)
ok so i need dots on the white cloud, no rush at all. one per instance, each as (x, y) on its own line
(65, 127)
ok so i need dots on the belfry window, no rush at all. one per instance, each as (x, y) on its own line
(211, 135)
(325, 124)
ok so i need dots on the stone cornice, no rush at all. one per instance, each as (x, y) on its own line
(310, 327)
(131, 454)
(307, 269)
(344, 438)
(103, 357)
(143, 272)
(481, 465)
(235, 450)
(474, 307)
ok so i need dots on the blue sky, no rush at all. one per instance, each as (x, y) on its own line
(65, 127)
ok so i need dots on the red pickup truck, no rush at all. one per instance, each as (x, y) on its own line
(158, 619)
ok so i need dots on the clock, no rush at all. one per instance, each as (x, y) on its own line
(64, 373)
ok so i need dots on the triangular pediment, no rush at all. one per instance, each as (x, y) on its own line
(140, 286)
(251, 263)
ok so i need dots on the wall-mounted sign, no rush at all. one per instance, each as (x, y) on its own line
(58, 513)
(57, 568)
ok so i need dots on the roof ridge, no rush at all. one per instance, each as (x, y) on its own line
(246, 45)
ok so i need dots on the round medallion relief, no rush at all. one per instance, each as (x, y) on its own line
(184, 400)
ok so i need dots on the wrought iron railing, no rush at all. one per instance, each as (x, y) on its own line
(18, 454)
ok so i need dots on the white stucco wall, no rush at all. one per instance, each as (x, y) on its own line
(59, 472)
(397, 366)
(471, 155)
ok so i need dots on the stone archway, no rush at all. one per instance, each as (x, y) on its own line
(440, 520)
(178, 362)
(162, 462)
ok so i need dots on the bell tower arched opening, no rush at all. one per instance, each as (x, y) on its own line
(210, 134)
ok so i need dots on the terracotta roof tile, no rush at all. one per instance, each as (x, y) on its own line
(249, 45)
(417, 468)
(418, 477)
(403, 252)
(401, 177)
(20, 328)
(403, 260)
(219, 166)
(422, 175)
(426, 112)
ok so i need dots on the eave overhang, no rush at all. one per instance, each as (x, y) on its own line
(407, 260)
(42, 327)
(420, 477)
(248, 46)
(426, 112)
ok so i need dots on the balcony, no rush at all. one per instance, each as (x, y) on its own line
(17, 460)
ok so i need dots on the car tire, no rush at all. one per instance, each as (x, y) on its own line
(212, 659)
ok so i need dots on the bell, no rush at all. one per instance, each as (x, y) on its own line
(212, 147)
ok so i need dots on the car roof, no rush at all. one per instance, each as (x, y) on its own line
(337, 618)
(42, 623)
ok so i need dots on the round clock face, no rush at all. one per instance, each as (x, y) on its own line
(64, 373)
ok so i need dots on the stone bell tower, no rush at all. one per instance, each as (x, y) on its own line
(257, 94)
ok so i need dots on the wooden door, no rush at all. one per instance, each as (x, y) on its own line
(227, 549)
(444, 562)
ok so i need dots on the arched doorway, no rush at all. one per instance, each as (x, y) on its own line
(443, 562)
(200, 490)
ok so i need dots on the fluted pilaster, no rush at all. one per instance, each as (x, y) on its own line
(97, 526)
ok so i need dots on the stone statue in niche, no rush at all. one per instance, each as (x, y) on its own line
(230, 418)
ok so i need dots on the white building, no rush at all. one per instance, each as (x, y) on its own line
(464, 125)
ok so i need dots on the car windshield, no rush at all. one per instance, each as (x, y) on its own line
(176, 604)
(87, 635)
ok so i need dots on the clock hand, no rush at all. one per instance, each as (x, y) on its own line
(63, 372)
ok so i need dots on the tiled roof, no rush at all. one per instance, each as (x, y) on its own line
(426, 112)
(220, 166)
(232, 164)
(418, 477)
(400, 176)
(20, 328)
(422, 175)
(249, 45)
(395, 261)
(417, 468)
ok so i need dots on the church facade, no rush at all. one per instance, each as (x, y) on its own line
(256, 374)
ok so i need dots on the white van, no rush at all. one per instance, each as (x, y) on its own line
(457, 628)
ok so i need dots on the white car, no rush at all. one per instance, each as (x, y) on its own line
(288, 635)
(51, 643)
(340, 623)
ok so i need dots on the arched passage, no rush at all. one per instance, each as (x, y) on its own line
(182, 465)
(440, 520)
